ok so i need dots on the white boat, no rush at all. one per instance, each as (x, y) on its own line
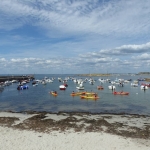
(126, 81)
(14, 81)
(35, 84)
(49, 80)
(111, 87)
(143, 87)
(44, 82)
(134, 83)
(62, 87)
(102, 80)
(80, 87)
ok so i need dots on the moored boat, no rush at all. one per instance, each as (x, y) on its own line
(80, 87)
(22, 87)
(144, 87)
(111, 87)
(62, 87)
(146, 84)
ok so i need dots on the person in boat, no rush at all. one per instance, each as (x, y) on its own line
(73, 92)
(55, 92)
(144, 88)
(112, 88)
(95, 94)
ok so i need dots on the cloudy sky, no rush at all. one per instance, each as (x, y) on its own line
(74, 36)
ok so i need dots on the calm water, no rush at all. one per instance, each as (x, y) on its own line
(38, 98)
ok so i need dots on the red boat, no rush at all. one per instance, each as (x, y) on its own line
(121, 93)
(146, 84)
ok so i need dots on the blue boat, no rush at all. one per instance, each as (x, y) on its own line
(22, 87)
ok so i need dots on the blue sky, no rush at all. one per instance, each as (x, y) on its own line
(76, 36)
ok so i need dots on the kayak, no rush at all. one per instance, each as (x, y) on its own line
(89, 97)
(90, 93)
(121, 93)
(77, 93)
(53, 93)
(100, 88)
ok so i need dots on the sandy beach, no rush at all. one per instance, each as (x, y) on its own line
(76, 131)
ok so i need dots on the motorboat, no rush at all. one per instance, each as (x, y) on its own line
(135, 83)
(144, 87)
(22, 87)
(80, 87)
(102, 80)
(44, 82)
(111, 87)
(146, 84)
(62, 87)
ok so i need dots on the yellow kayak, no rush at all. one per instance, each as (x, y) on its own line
(90, 93)
(89, 97)
(77, 93)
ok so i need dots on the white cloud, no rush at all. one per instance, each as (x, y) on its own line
(123, 17)
(76, 34)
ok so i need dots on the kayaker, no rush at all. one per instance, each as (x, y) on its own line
(144, 88)
(95, 94)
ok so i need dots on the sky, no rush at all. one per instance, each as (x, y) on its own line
(74, 36)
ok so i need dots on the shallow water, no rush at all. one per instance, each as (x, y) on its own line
(38, 98)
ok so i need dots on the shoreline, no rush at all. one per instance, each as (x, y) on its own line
(77, 112)
(126, 125)
(86, 131)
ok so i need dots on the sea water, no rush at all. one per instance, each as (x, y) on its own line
(38, 98)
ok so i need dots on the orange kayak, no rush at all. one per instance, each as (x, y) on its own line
(100, 88)
(53, 93)
(121, 93)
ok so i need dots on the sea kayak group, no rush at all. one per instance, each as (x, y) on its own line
(89, 95)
